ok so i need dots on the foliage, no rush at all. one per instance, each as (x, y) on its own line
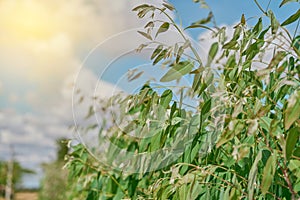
(55, 183)
(253, 154)
(18, 171)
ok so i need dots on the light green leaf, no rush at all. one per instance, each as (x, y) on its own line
(253, 176)
(166, 98)
(292, 112)
(274, 22)
(294, 165)
(276, 59)
(212, 52)
(291, 140)
(146, 35)
(163, 28)
(178, 71)
(268, 173)
(292, 18)
(230, 45)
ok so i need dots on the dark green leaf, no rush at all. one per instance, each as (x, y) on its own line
(268, 173)
(258, 27)
(287, 1)
(199, 26)
(166, 98)
(291, 19)
(156, 51)
(230, 45)
(296, 45)
(291, 140)
(206, 107)
(163, 28)
(160, 56)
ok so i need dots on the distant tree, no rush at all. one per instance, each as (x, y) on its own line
(54, 184)
(18, 172)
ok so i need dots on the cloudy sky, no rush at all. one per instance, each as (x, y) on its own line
(45, 45)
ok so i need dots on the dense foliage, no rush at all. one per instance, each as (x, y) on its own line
(54, 184)
(241, 139)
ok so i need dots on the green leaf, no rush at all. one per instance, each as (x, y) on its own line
(205, 20)
(136, 76)
(199, 26)
(178, 71)
(169, 6)
(243, 20)
(294, 165)
(149, 25)
(212, 52)
(160, 56)
(230, 45)
(158, 49)
(297, 152)
(143, 6)
(274, 22)
(146, 35)
(292, 18)
(166, 98)
(296, 45)
(287, 1)
(179, 53)
(268, 173)
(206, 107)
(291, 141)
(292, 112)
(277, 58)
(253, 176)
(258, 27)
(163, 28)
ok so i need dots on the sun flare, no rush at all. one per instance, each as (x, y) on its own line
(27, 20)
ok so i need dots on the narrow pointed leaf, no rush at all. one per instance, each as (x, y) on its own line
(212, 52)
(291, 140)
(276, 59)
(146, 35)
(292, 112)
(287, 1)
(163, 28)
(292, 18)
(178, 71)
(268, 173)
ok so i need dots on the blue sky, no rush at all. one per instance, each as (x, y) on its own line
(43, 45)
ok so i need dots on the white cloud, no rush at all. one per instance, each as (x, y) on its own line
(42, 44)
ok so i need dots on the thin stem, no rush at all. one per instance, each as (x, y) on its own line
(182, 35)
(297, 26)
(268, 5)
(260, 8)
